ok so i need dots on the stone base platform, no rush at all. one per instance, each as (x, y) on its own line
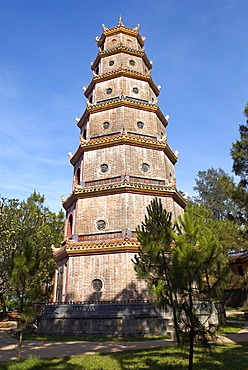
(119, 319)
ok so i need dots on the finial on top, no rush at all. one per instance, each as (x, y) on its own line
(120, 21)
(104, 27)
(137, 27)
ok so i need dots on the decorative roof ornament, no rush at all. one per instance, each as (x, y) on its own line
(97, 38)
(137, 27)
(70, 155)
(77, 119)
(104, 27)
(164, 138)
(77, 186)
(120, 21)
(83, 140)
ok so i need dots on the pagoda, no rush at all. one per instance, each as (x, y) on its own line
(122, 162)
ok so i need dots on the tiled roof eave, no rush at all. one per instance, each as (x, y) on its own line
(121, 72)
(93, 247)
(125, 187)
(124, 138)
(122, 49)
(124, 29)
(120, 101)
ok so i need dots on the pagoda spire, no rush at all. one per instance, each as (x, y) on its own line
(120, 21)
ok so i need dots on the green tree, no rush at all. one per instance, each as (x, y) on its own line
(154, 259)
(185, 268)
(229, 233)
(8, 228)
(215, 189)
(239, 154)
(29, 279)
(239, 151)
(28, 232)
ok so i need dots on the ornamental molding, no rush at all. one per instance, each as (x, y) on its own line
(122, 72)
(122, 49)
(120, 28)
(71, 247)
(121, 139)
(126, 187)
(128, 101)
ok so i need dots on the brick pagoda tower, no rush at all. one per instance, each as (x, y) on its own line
(123, 161)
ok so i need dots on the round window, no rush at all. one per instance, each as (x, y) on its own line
(111, 63)
(140, 124)
(109, 91)
(105, 125)
(101, 225)
(104, 168)
(132, 62)
(145, 167)
(97, 285)
(135, 90)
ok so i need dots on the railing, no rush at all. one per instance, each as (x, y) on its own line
(40, 307)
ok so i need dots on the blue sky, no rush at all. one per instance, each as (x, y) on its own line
(199, 50)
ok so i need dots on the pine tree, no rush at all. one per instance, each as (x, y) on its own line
(239, 154)
(185, 268)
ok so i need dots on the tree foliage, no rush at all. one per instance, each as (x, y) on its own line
(184, 266)
(24, 223)
(239, 151)
(229, 233)
(215, 189)
(28, 232)
(239, 154)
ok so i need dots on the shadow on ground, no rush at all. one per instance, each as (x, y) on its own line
(222, 357)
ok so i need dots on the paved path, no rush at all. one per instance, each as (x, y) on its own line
(49, 349)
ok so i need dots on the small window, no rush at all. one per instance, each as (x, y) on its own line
(132, 62)
(111, 63)
(109, 91)
(135, 90)
(104, 168)
(78, 176)
(241, 270)
(101, 225)
(70, 226)
(97, 285)
(145, 167)
(113, 41)
(140, 124)
(106, 125)
(129, 41)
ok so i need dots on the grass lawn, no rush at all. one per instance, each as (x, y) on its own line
(244, 308)
(222, 357)
(230, 328)
(66, 338)
(237, 317)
